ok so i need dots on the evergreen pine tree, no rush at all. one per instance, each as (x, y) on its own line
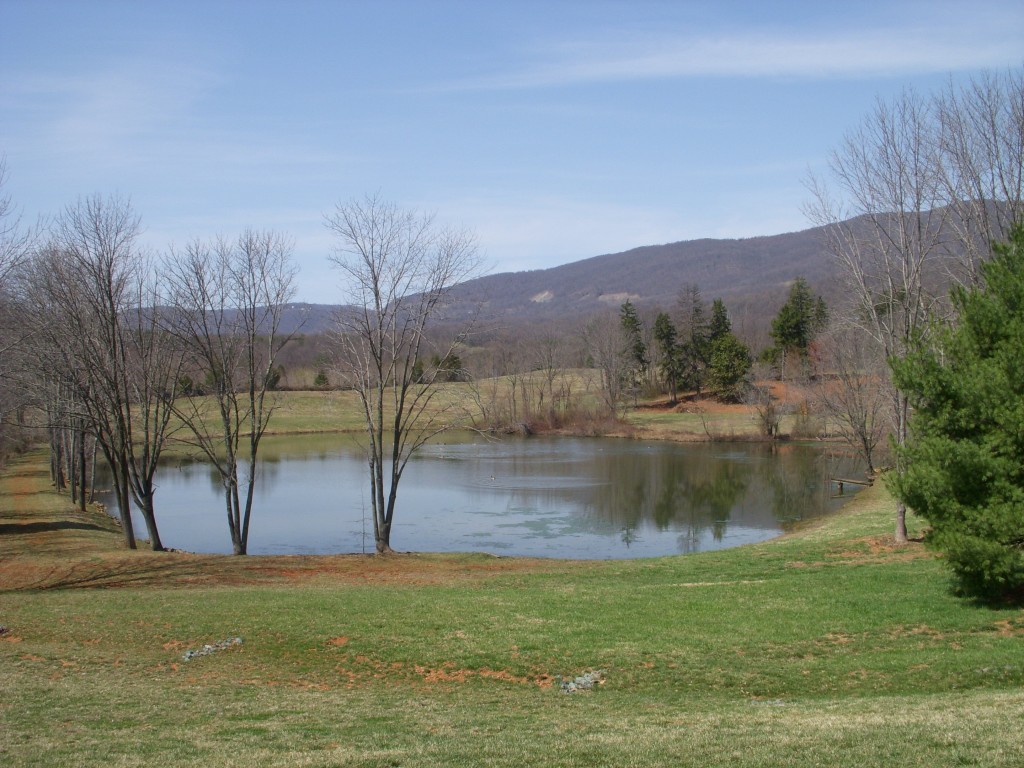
(670, 358)
(800, 319)
(964, 460)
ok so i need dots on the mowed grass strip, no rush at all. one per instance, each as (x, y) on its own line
(829, 646)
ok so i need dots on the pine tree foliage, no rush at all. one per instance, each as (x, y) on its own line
(669, 353)
(632, 329)
(799, 321)
(965, 457)
(729, 360)
(637, 361)
(730, 364)
(720, 325)
(694, 331)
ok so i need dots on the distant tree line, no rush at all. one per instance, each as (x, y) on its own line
(106, 342)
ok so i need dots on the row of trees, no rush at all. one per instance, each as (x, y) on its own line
(107, 335)
(696, 350)
(633, 358)
(106, 340)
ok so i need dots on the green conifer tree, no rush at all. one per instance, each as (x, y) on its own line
(964, 460)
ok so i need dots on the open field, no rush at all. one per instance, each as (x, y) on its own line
(826, 647)
(338, 411)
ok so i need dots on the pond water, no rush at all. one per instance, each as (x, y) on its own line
(584, 498)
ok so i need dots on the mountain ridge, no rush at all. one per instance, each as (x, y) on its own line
(751, 275)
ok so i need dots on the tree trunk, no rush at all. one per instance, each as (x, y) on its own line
(231, 501)
(92, 476)
(82, 471)
(383, 542)
(247, 513)
(124, 502)
(902, 415)
(148, 514)
(382, 531)
(901, 523)
(57, 452)
(73, 467)
(382, 536)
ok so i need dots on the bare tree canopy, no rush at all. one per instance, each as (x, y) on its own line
(398, 268)
(915, 194)
(982, 163)
(607, 351)
(15, 245)
(15, 240)
(228, 299)
(93, 297)
(853, 391)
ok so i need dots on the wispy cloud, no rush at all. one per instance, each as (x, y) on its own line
(805, 54)
(113, 104)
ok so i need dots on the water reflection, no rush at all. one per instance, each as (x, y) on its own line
(553, 497)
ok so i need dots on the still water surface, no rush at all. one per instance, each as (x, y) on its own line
(549, 497)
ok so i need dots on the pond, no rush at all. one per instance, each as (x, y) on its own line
(577, 498)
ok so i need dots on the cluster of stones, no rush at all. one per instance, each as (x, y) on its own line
(584, 682)
(206, 650)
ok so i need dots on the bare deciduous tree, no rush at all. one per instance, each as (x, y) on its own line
(228, 302)
(549, 354)
(93, 295)
(15, 240)
(888, 231)
(982, 163)
(607, 351)
(15, 244)
(854, 392)
(398, 269)
(924, 187)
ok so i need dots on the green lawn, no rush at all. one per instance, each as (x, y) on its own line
(826, 647)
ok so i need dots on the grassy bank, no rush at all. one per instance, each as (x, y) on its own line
(825, 647)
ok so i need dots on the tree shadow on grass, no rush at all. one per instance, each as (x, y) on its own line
(7, 529)
(165, 570)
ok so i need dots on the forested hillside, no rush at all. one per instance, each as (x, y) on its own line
(752, 275)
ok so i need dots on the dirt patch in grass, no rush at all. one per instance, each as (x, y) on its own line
(873, 549)
(449, 673)
(361, 670)
(1009, 627)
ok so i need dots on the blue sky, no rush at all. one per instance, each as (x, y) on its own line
(554, 130)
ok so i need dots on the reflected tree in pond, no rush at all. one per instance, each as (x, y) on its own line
(713, 493)
(794, 483)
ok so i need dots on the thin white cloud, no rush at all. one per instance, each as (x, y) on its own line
(114, 103)
(806, 54)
